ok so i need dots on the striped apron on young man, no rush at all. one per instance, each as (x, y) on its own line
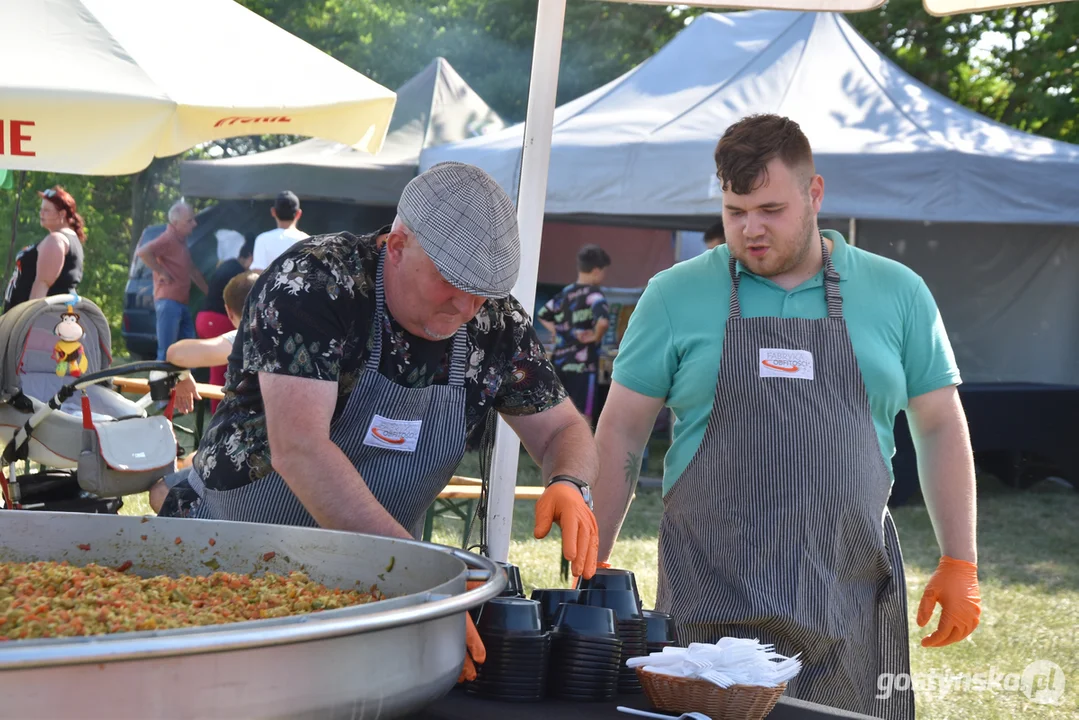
(404, 442)
(779, 529)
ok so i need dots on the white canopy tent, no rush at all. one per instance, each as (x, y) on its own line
(101, 87)
(531, 197)
(640, 147)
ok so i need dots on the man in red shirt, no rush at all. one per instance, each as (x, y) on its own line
(167, 256)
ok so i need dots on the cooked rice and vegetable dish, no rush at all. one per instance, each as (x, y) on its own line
(57, 599)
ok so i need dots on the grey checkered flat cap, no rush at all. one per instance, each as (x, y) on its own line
(467, 224)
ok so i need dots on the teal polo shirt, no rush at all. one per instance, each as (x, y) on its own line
(674, 341)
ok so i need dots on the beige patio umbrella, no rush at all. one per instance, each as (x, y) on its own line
(101, 87)
(532, 190)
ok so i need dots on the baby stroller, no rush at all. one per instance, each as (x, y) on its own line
(59, 412)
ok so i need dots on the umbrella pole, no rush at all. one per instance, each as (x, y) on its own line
(19, 179)
(531, 196)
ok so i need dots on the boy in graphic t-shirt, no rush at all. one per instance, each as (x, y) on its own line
(578, 317)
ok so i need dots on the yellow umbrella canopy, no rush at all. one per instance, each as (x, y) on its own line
(101, 87)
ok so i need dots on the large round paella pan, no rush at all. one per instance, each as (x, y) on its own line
(381, 659)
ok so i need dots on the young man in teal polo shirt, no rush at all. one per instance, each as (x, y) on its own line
(785, 355)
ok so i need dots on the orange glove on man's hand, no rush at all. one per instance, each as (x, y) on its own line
(475, 653)
(563, 503)
(955, 586)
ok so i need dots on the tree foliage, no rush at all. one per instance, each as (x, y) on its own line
(1018, 66)
(105, 205)
(489, 42)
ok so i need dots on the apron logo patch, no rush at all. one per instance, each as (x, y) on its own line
(777, 362)
(389, 434)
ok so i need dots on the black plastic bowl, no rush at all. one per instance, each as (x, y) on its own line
(514, 586)
(506, 615)
(610, 579)
(623, 602)
(586, 620)
(549, 600)
(660, 627)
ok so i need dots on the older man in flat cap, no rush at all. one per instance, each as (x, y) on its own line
(362, 364)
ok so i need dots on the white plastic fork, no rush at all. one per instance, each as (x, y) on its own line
(683, 716)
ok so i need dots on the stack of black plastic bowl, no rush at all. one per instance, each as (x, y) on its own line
(518, 651)
(630, 627)
(661, 631)
(617, 590)
(611, 579)
(585, 654)
(549, 600)
(514, 587)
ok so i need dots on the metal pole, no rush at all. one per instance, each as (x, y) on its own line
(20, 179)
(531, 197)
(852, 232)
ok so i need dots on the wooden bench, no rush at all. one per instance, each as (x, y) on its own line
(141, 386)
(457, 501)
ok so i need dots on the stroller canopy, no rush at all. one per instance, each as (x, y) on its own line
(38, 345)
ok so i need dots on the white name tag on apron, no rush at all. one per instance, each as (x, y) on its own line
(777, 362)
(391, 434)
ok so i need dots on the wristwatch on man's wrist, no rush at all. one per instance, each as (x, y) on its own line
(585, 488)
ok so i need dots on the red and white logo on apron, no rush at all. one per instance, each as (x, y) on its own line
(389, 434)
(781, 363)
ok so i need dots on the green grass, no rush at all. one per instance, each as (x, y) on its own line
(1029, 577)
(1029, 574)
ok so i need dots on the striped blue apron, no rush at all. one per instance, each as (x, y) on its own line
(779, 529)
(405, 481)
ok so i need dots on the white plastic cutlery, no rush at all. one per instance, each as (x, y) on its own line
(731, 661)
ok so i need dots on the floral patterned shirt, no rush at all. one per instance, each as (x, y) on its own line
(310, 314)
(578, 307)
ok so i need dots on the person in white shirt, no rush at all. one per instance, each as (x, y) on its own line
(286, 211)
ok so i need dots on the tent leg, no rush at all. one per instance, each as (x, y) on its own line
(531, 196)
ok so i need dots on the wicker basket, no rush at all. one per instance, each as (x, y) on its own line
(682, 695)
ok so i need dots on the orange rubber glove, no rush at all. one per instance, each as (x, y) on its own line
(955, 586)
(563, 503)
(475, 653)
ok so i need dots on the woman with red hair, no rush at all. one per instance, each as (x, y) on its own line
(54, 265)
